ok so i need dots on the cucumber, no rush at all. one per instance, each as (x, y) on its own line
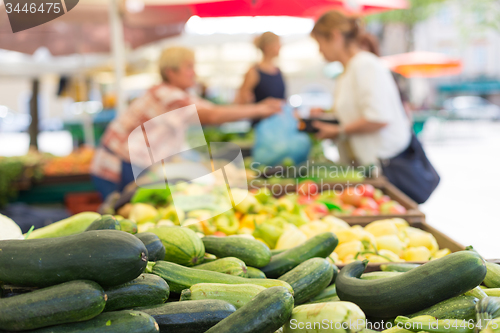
(229, 265)
(8, 290)
(309, 279)
(325, 300)
(107, 257)
(265, 313)
(146, 290)
(477, 293)
(255, 273)
(414, 290)
(182, 245)
(460, 307)
(320, 246)
(236, 294)
(252, 252)
(65, 303)
(128, 226)
(189, 316)
(328, 292)
(109, 322)
(105, 222)
(156, 250)
(277, 251)
(379, 275)
(179, 277)
(492, 279)
(401, 267)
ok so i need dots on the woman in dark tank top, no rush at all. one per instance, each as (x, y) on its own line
(263, 80)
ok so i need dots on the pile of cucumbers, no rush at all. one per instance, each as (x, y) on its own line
(170, 280)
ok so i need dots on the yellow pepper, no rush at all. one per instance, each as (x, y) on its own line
(350, 258)
(347, 235)
(350, 248)
(421, 238)
(441, 253)
(334, 258)
(400, 223)
(335, 224)
(373, 258)
(365, 237)
(382, 228)
(290, 238)
(250, 220)
(141, 213)
(391, 243)
(420, 253)
(313, 228)
(389, 254)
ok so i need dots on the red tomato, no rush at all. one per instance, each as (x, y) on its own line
(319, 208)
(308, 187)
(351, 196)
(359, 212)
(368, 190)
(383, 199)
(369, 203)
(219, 234)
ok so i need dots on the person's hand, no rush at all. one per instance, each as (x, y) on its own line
(268, 107)
(326, 131)
(316, 112)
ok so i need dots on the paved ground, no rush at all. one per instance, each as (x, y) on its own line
(466, 205)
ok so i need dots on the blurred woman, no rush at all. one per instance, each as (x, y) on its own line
(111, 168)
(264, 79)
(373, 124)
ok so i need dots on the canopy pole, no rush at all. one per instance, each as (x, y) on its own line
(33, 128)
(118, 48)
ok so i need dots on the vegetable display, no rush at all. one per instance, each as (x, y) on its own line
(70, 278)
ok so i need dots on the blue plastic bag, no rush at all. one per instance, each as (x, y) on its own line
(277, 138)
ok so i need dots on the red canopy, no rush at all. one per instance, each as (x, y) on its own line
(299, 8)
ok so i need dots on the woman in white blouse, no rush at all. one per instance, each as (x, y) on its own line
(373, 125)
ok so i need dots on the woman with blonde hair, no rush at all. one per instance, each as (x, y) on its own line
(374, 128)
(111, 168)
(264, 79)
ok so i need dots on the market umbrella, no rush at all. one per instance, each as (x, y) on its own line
(423, 64)
(299, 8)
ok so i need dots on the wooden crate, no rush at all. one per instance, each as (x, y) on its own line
(443, 241)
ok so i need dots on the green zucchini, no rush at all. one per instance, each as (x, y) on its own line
(492, 279)
(146, 290)
(107, 257)
(182, 245)
(156, 250)
(252, 252)
(65, 303)
(328, 292)
(477, 293)
(236, 294)
(431, 324)
(319, 246)
(414, 290)
(460, 307)
(309, 279)
(109, 322)
(487, 309)
(255, 273)
(105, 222)
(492, 292)
(277, 251)
(189, 316)
(325, 300)
(265, 313)
(379, 275)
(229, 265)
(71, 226)
(180, 277)
(128, 226)
(401, 267)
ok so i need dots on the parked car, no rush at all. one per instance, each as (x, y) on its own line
(471, 108)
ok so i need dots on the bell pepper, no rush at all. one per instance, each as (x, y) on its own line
(249, 205)
(335, 224)
(170, 213)
(270, 231)
(313, 228)
(441, 253)
(346, 235)
(382, 228)
(421, 238)
(350, 248)
(391, 255)
(296, 220)
(249, 221)
(141, 213)
(263, 195)
(284, 204)
(334, 257)
(420, 253)
(391, 243)
(290, 238)
(227, 223)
